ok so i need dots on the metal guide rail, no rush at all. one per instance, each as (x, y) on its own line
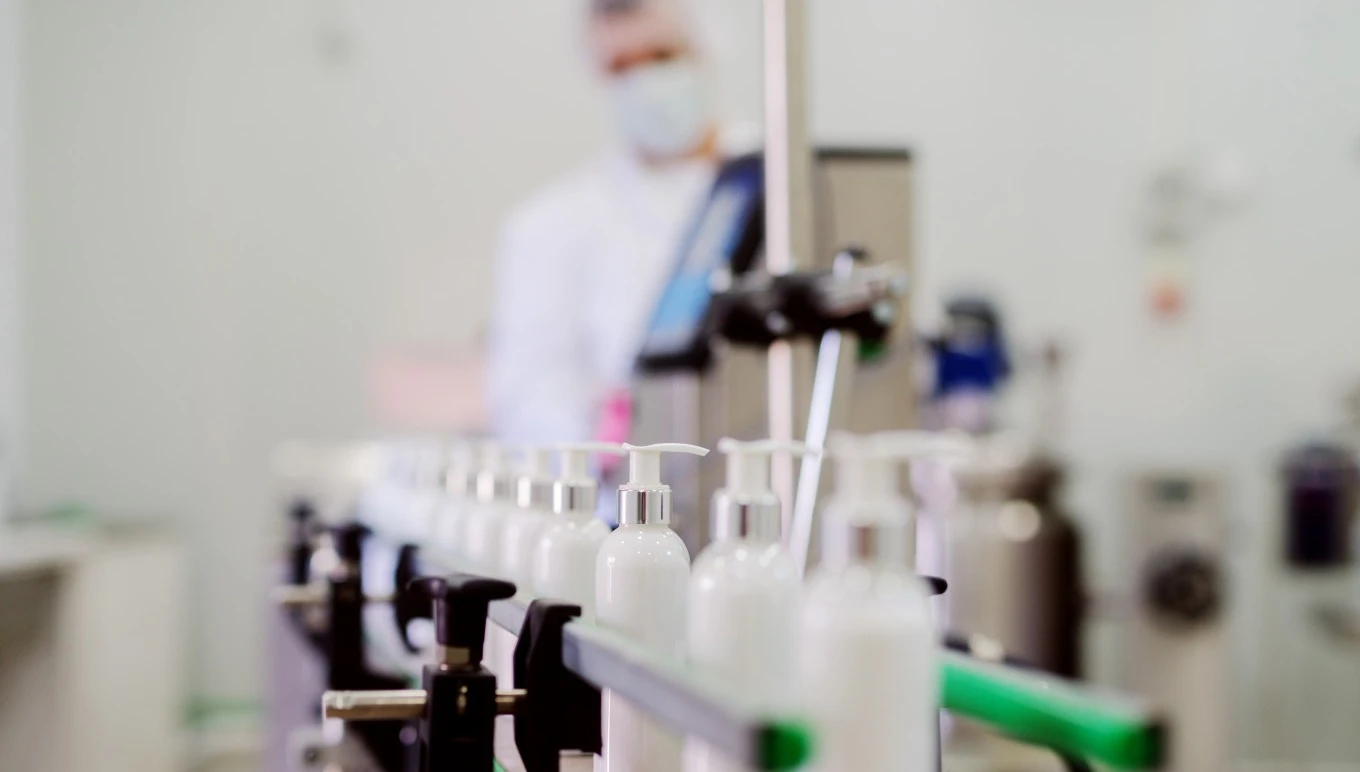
(1079, 723)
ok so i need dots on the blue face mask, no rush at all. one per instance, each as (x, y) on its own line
(662, 108)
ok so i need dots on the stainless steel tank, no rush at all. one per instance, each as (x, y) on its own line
(1013, 561)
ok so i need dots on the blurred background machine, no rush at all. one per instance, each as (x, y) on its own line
(694, 387)
(1179, 644)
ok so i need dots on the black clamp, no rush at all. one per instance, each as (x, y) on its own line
(407, 603)
(456, 707)
(345, 650)
(759, 308)
(560, 711)
(457, 730)
(303, 528)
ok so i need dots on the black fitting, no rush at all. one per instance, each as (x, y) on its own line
(409, 603)
(459, 608)
(560, 710)
(349, 541)
(347, 667)
(458, 730)
(302, 531)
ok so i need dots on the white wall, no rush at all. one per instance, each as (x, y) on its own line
(11, 22)
(234, 208)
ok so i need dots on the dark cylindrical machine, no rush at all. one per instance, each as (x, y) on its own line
(1320, 483)
(1014, 562)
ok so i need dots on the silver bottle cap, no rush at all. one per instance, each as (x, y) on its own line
(534, 493)
(494, 487)
(574, 497)
(644, 506)
(876, 542)
(755, 518)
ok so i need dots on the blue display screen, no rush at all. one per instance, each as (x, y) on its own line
(686, 298)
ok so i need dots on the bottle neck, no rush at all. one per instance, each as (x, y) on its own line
(747, 517)
(644, 506)
(534, 493)
(574, 498)
(494, 487)
(874, 543)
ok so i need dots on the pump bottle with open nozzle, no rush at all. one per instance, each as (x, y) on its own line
(564, 556)
(641, 582)
(867, 640)
(744, 594)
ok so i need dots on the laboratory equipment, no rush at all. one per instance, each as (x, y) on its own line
(971, 363)
(1321, 485)
(1013, 557)
(1178, 652)
(693, 387)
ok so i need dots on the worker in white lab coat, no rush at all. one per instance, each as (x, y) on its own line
(583, 261)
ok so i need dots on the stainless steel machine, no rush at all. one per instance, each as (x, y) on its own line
(1178, 653)
(717, 388)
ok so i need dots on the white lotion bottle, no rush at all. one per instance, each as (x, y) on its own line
(514, 538)
(867, 655)
(460, 488)
(744, 595)
(563, 566)
(483, 521)
(523, 522)
(417, 515)
(482, 525)
(641, 584)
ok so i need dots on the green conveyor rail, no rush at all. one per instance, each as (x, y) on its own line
(1047, 711)
(1029, 706)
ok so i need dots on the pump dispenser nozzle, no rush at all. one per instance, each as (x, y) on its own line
(872, 519)
(644, 499)
(575, 491)
(747, 507)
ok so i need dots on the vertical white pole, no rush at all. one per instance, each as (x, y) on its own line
(788, 205)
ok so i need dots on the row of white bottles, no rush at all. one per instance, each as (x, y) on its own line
(853, 648)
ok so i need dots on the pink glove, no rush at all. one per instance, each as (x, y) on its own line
(615, 425)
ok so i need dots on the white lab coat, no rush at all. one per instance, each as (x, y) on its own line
(580, 269)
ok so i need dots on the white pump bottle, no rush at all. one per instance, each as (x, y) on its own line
(416, 518)
(868, 645)
(460, 484)
(482, 523)
(744, 594)
(523, 523)
(641, 582)
(563, 564)
(482, 526)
